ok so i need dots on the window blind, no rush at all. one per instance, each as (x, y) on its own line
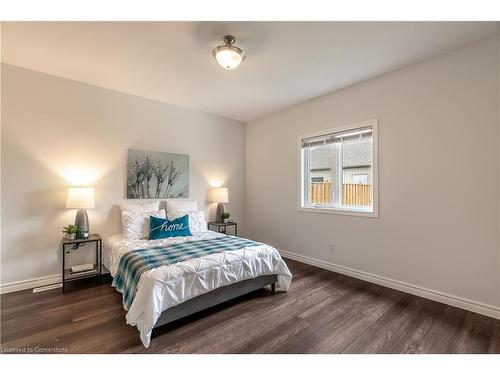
(330, 138)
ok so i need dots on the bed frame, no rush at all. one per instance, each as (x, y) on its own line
(215, 297)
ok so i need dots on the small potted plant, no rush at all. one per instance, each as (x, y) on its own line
(225, 217)
(71, 230)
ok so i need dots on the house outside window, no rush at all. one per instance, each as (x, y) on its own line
(338, 170)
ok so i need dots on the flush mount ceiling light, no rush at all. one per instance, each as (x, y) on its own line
(228, 56)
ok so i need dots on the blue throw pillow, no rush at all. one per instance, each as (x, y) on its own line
(163, 228)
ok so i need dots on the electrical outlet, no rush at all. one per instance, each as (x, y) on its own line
(331, 246)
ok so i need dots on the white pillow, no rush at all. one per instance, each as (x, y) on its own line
(181, 205)
(135, 225)
(144, 207)
(197, 222)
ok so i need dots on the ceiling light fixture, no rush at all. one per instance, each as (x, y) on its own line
(228, 56)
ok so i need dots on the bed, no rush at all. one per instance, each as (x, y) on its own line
(170, 292)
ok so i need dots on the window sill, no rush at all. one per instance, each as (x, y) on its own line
(340, 211)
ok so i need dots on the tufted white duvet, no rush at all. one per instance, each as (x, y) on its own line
(170, 285)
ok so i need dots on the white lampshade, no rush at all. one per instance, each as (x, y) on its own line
(80, 197)
(220, 195)
(228, 55)
(228, 58)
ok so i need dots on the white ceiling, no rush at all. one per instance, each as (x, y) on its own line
(287, 62)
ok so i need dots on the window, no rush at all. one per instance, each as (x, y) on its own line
(338, 170)
(317, 179)
(361, 179)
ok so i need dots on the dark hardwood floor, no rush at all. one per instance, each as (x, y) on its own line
(323, 312)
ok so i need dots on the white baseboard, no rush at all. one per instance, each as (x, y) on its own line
(30, 283)
(35, 283)
(463, 303)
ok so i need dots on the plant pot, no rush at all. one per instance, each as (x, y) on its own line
(225, 221)
(71, 236)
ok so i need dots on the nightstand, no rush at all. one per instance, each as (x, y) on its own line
(222, 227)
(69, 246)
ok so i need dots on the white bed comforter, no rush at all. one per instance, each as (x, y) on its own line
(167, 286)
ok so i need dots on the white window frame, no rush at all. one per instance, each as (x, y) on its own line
(351, 211)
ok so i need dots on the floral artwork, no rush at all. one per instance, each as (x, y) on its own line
(157, 175)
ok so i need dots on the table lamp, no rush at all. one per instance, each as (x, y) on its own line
(220, 196)
(81, 198)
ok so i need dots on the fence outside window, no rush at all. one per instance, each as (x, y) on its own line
(352, 194)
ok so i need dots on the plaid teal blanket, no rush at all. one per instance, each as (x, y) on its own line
(134, 263)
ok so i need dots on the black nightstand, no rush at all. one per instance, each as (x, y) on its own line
(222, 227)
(69, 246)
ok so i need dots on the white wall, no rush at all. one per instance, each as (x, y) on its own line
(1, 68)
(438, 177)
(439, 165)
(52, 127)
(498, 118)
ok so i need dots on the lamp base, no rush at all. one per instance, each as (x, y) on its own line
(219, 212)
(82, 220)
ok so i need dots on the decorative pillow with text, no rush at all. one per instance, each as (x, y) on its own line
(162, 228)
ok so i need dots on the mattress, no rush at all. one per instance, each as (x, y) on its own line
(167, 286)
